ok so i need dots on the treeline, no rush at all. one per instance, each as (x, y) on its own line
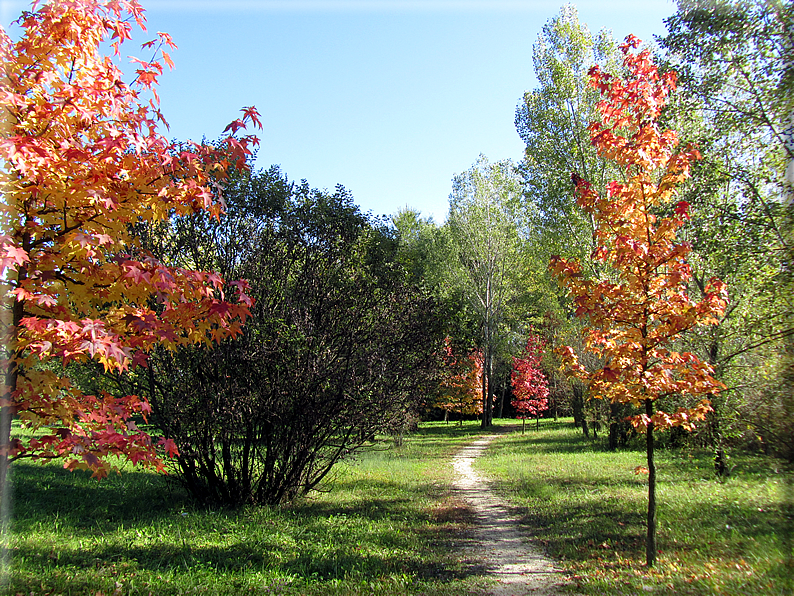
(506, 220)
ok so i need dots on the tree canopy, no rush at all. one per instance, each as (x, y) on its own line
(83, 161)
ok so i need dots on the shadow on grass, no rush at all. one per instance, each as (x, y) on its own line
(74, 498)
(572, 532)
(556, 442)
(143, 522)
(345, 560)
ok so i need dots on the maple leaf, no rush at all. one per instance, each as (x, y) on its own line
(682, 209)
(169, 446)
(102, 165)
(251, 113)
(647, 308)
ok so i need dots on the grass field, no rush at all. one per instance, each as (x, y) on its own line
(384, 525)
(587, 507)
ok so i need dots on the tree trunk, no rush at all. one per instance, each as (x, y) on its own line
(487, 397)
(577, 405)
(10, 378)
(720, 459)
(618, 427)
(596, 417)
(650, 542)
(484, 422)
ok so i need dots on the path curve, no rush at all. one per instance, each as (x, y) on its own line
(497, 543)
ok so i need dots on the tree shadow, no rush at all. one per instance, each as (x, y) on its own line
(143, 522)
(77, 499)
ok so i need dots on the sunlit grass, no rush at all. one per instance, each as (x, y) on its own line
(381, 525)
(587, 506)
(384, 523)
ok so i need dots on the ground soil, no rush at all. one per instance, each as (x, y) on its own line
(494, 542)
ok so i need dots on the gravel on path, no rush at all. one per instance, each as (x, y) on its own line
(497, 544)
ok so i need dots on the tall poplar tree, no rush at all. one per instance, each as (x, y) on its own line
(485, 237)
(552, 121)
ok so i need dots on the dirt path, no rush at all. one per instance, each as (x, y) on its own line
(496, 543)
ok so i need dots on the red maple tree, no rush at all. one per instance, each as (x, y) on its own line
(83, 162)
(530, 386)
(641, 307)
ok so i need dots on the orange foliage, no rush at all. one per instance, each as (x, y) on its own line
(641, 307)
(83, 162)
(461, 389)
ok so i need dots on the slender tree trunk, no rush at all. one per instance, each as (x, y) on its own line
(484, 422)
(12, 313)
(488, 381)
(720, 459)
(650, 543)
(577, 405)
(487, 401)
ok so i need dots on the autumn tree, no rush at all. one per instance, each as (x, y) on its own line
(461, 387)
(530, 386)
(82, 163)
(639, 309)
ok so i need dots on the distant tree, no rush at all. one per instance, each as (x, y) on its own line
(461, 385)
(339, 345)
(530, 386)
(637, 312)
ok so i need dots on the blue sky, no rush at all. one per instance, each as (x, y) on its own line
(390, 98)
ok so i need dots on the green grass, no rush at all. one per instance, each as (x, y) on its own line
(380, 526)
(587, 507)
(383, 525)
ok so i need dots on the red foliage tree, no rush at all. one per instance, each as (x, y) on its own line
(82, 164)
(642, 306)
(530, 386)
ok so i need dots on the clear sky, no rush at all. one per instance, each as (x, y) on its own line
(390, 98)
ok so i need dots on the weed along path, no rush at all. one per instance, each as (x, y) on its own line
(496, 542)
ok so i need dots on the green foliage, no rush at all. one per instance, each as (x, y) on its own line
(552, 121)
(425, 250)
(735, 102)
